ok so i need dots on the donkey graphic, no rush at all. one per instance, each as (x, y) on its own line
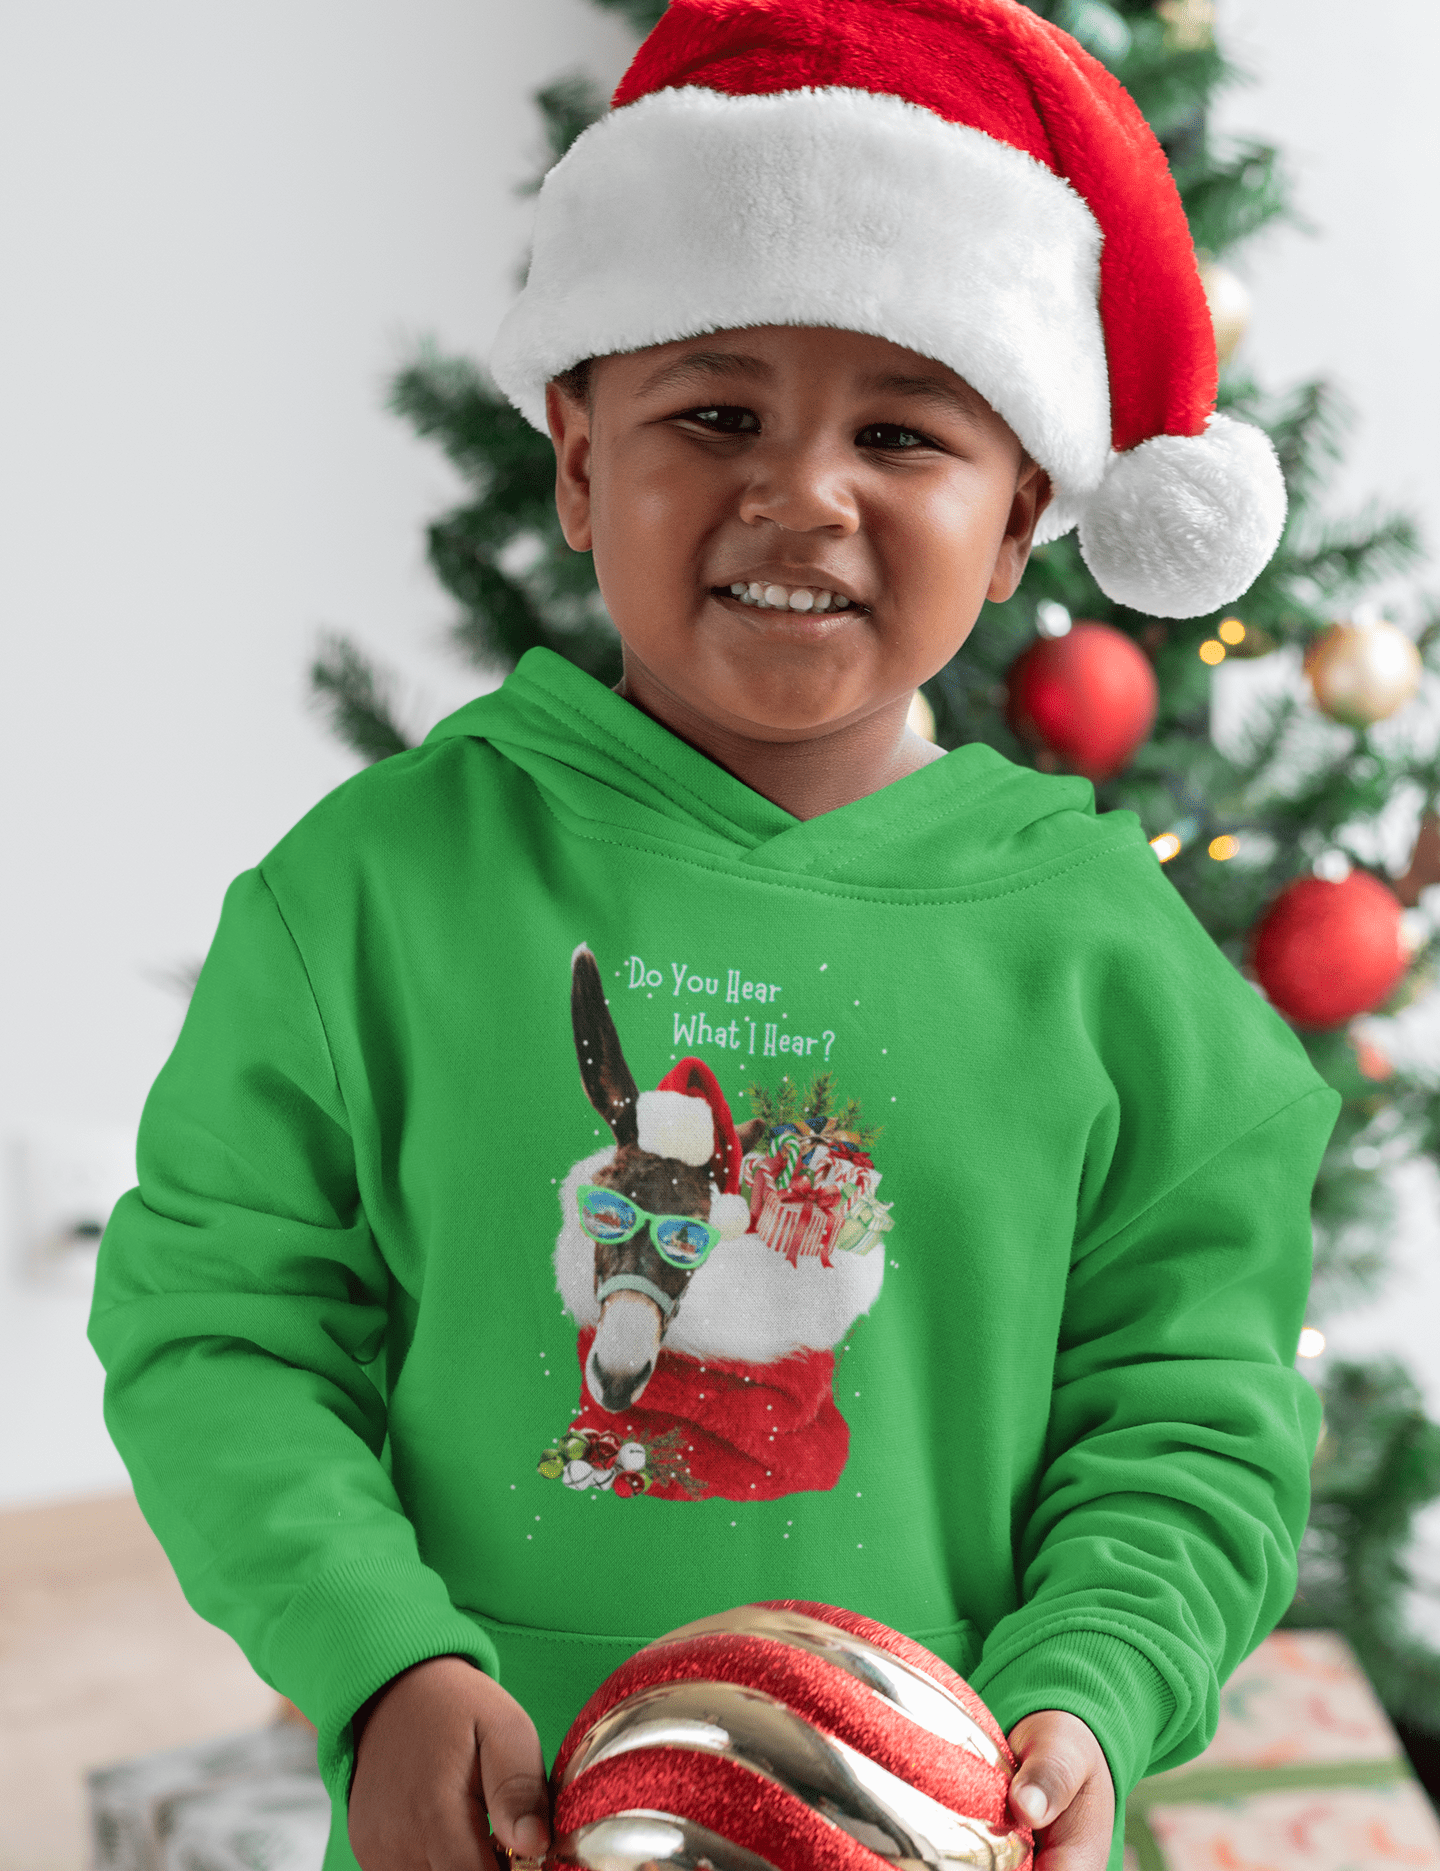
(649, 1244)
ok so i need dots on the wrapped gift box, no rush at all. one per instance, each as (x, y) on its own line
(1305, 1770)
(808, 1199)
(250, 1802)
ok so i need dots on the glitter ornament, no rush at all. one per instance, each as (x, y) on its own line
(1088, 696)
(1363, 672)
(784, 1737)
(1325, 952)
(1228, 297)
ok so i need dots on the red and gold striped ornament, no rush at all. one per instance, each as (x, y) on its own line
(785, 1737)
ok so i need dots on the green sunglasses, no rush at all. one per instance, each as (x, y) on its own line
(608, 1217)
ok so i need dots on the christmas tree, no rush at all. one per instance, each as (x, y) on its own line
(1272, 837)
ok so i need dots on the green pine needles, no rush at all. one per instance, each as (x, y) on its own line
(815, 1108)
(1293, 786)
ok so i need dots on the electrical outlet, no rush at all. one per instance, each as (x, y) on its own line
(66, 1180)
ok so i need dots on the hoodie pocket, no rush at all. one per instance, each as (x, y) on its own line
(957, 1644)
(552, 1674)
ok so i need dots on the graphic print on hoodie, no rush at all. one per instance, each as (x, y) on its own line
(711, 1271)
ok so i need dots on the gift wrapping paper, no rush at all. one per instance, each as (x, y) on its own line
(1305, 1770)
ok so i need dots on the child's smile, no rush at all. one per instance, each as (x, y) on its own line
(793, 527)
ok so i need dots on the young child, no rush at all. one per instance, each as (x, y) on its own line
(647, 1151)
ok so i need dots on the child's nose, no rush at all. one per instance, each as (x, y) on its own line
(804, 490)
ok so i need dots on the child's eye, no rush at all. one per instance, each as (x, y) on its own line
(725, 419)
(890, 435)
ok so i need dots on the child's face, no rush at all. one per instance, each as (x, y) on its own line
(816, 461)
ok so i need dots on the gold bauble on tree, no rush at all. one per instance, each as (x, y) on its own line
(1228, 297)
(1363, 672)
(1189, 24)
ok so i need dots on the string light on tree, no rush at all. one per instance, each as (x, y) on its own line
(1363, 671)
(920, 716)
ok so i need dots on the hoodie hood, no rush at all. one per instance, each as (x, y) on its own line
(968, 822)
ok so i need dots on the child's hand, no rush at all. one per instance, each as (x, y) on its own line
(443, 1745)
(1063, 1788)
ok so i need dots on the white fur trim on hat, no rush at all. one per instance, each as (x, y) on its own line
(691, 211)
(1183, 524)
(676, 1125)
(729, 1213)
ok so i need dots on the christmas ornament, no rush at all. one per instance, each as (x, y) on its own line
(1228, 297)
(1363, 672)
(784, 1737)
(1325, 952)
(1189, 24)
(1088, 697)
(1370, 1062)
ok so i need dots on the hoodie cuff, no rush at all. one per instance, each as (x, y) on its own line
(352, 1629)
(1119, 1694)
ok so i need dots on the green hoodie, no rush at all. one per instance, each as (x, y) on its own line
(994, 1337)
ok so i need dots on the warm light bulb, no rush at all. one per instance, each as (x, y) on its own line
(1224, 846)
(1165, 847)
(1231, 631)
(1312, 1342)
(1212, 651)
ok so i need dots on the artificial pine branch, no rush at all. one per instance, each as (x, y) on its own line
(1378, 1465)
(351, 692)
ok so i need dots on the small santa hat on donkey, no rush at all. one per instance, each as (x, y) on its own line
(957, 176)
(687, 1119)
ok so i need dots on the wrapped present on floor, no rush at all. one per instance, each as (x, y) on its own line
(248, 1802)
(814, 1194)
(1305, 1770)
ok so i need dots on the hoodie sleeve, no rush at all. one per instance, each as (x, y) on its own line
(1161, 1546)
(240, 1299)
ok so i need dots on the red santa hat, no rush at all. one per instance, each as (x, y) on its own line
(688, 1119)
(957, 176)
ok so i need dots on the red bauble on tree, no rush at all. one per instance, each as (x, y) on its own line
(1325, 952)
(1088, 696)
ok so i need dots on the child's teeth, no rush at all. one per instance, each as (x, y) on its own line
(782, 598)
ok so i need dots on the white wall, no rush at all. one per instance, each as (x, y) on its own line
(222, 227)
(1348, 94)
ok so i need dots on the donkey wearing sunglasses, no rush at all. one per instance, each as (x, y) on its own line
(640, 1279)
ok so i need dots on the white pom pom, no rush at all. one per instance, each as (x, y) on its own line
(730, 1214)
(1183, 524)
(673, 1124)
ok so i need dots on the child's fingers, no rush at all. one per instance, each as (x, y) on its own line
(1063, 1789)
(439, 1747)
(512, 1781)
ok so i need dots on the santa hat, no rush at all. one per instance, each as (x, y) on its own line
(957, 176)
(687, 1119)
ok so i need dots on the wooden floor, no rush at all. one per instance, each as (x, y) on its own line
(100, 1659)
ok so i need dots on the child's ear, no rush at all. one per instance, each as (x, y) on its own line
(569, 422)
(1032, 496)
